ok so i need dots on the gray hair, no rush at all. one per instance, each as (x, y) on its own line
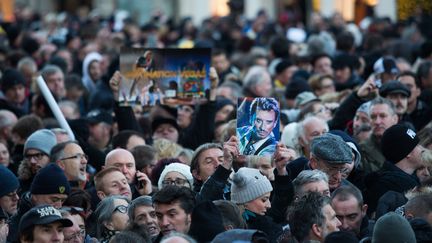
(7, 118)
(166, 238)
(303, 123)
(306, 177)
(104, 211)
(27, 61)
(138, 202)
(50, 70)
(382, 101)
(254, 76)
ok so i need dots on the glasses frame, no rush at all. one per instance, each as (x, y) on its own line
(121, 209)
(76, 156)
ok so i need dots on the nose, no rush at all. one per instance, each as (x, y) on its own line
(165, 222)
(268, 204)
(58, 204)
(343, 224)
(57, 236)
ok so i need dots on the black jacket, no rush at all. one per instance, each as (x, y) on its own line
(389, 178)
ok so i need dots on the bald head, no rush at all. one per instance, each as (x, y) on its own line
(124, 160)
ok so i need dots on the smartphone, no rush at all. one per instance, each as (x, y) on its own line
(139, 184)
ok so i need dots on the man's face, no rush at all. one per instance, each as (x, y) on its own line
(264, 122)
(37, 159)
(115, 183)
(264, 87)
(172, 218)
(400, 101)
(48, 233)
(410, 83)
(95, 71)
(381, 119)
(323, 66)
(208, 161)
(333, 172)
(125, 161)
(134, 141)
(342, 75)
(9, 202)
(146, 215)
(55, 83)
(220, 63)
(55, 200)
(415, 157)
(99, 132)
(317, 186)
(331, 223)
(313, 128)
(166, 131)
(75, 163)
(72, 234)
(360, 119)
(16, 94)
(349, 213)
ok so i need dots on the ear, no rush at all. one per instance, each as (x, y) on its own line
(196, 175)
(228, 227)
(409, 215)
(313, 163)
(316, 230)
(108, 225)
(395, 118)
(364, 210)
(101, 195)
(60, 164)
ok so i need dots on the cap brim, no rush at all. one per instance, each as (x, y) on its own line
(48, 220)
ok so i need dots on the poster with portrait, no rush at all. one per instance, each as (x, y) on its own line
(258, 125)
(153, 76)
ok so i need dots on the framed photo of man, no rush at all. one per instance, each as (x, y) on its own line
(258, 125)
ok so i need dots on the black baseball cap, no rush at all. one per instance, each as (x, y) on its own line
(98, 116)
(42, 215)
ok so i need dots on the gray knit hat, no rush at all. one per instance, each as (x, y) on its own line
(393, 228)
(43, 140)
(248, 184)
(332, 149)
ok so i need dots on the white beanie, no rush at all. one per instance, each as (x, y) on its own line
(176, 167)
(248, 184)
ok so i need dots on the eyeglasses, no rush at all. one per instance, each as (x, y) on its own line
(176, 182)
(77, 235)
(121, 208)
(77, 156)
(37, 156)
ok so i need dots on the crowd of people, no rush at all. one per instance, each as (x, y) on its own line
(353, 163)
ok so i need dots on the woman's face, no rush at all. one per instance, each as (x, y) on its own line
(184, 116)
(175, 178)
(259, 205)
(119, 218)
(223, 113)
(4, 155)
